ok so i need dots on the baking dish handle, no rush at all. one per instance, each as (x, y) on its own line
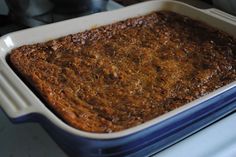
(13, 101)
(222, 15)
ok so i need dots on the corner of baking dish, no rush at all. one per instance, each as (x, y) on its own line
(15, 98)
(18, 100)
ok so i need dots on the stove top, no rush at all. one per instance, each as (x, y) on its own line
(10, 22)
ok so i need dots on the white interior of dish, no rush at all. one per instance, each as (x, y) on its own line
(18, 100)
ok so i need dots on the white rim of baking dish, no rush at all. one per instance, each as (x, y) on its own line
(18, 100)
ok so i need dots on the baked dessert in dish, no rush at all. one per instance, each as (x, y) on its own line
(120, 75)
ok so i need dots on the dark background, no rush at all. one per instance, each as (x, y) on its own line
(128, 2)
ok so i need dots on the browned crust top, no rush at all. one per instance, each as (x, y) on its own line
(120, 75)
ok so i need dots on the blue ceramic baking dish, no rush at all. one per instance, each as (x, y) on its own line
(22, 105)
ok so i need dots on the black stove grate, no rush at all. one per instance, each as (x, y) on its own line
(13, 22)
